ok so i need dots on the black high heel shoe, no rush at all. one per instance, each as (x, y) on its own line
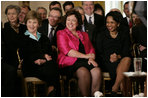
(114, 94)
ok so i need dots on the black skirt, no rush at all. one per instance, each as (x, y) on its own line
(70, 70)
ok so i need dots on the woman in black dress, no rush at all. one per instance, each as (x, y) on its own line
(37, 54)
(113, 49)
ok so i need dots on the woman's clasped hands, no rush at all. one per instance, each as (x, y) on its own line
(42, 61)
(91, 59)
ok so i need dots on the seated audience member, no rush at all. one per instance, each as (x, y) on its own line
(23, 13)
(99, 9)
(90, 16)
(77, 55)
(68, 5)
(123, 24)
(11, 33)
(10, 39)
(86, 27)
(127, 19)
(50, 27)
(54, 4)
(139, 36)
(8, 75)
(42, 12)
(36, 53)
(113, 50)
(135, 19)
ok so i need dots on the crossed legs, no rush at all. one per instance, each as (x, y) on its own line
(123, 66)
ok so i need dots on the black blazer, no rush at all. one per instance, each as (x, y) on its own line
(90, 28)
(125, 22)
(32, 50)
(44, 30)
(99, 20)
(12, 41)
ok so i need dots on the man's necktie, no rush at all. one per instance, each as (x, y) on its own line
(90, 20)
(130, 24)
(51, 35)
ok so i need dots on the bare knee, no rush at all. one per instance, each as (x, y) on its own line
(124, 64)
(126, 60)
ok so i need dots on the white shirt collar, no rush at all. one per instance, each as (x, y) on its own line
(127, 19)
(92, 17)
(49, 29)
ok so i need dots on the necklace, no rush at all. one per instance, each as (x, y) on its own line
(114, 35)
(15, 27)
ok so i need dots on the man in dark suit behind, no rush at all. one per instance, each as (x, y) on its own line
(126, 20)
(86, 27)
(90, 16)
(51, 25)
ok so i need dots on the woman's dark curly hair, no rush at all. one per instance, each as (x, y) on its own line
(117, 16)
(78, 17)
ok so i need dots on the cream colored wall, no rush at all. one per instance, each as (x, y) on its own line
(33, 5)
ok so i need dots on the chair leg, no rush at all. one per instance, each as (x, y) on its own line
(62, 87)
(103, 87)
(69, 88)
(34, 89)
(26, 88)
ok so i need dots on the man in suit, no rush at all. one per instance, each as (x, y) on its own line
(23, 13)
(51, 25)
(42, 12)
(90, 16)
(68, 5)
(126, 19)
(86, 27)
(54, 4)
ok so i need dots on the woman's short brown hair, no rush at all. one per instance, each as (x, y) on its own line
(78, 17)
(33, 15)
(17, 8)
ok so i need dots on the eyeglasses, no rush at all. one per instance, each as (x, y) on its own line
(55, 17)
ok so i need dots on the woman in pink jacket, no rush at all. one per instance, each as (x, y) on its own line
(77, 55)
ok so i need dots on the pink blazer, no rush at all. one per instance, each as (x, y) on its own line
(67, 41)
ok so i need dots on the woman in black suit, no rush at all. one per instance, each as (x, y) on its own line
(10, 39)
(11, 34)
(113, 49)
(37, 54)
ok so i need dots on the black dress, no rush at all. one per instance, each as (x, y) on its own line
(106, 45)
(70, 70)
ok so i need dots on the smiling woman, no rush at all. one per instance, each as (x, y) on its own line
(10, 37)
(37, 54)
(113, 49)
(77, 55)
